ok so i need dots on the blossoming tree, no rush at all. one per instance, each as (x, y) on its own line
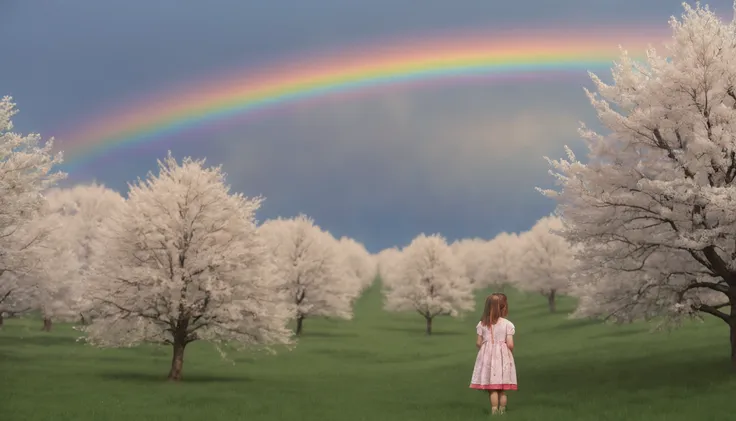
(429, 279)
(312, 269)
(181, 261)
(548, 260)
(654, 209)
(26, 170)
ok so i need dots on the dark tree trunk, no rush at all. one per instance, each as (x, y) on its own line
(732, 331)
(299, 325)
(177, 360)
(429, 325)
(82, 319)
(551, 301)
(47, 324)
(2, 319)
(733, 344)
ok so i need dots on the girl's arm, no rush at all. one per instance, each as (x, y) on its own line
(510, 342)
(478, 341)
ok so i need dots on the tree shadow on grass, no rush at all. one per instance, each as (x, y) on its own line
(13, 357)
(657, 371)
(577, 323)
(346, 354)
(137, 377)
(418, 331)
(326, 334)
(38, 340)
(619, 332)
(115, 358)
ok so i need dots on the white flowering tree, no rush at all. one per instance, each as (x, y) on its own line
(429, 279)
(19, 293)
(73, 217)
(654, 209)
(56, 287)
(503, 260)
(548, 260)
(358, 261)
(25, 172)
(386, 261)
(475, 255)
(311, 268)
(181, 261)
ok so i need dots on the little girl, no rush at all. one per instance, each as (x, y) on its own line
(495, 370)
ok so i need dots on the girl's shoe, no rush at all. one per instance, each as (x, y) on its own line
(494, 411)
(501, 410)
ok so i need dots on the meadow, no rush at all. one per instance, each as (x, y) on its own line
(378, 367)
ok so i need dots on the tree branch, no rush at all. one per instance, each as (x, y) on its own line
(712, 311)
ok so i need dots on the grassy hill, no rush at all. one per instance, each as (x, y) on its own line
(378, 367)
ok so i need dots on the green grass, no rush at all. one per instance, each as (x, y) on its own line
(378, 367)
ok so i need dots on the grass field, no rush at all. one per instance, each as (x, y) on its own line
(378, 367)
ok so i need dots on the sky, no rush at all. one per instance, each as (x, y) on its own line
(459, 160)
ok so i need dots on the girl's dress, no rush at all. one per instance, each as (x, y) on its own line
(494, 366)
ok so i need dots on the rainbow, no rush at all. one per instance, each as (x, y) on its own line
(449, 59)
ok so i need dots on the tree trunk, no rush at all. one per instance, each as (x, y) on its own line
(551, 301)
(177, 361)
(2, 319)
(47, 324)
(732, 331)
(429, 325)
(299, 325)
(733, 344)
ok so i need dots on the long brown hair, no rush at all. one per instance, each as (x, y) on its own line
(492, 310)
(504, 304)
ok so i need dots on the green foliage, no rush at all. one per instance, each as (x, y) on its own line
(379, 366)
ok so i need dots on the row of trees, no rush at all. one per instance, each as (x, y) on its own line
(646, 228)
(434, 278)
(181, 259)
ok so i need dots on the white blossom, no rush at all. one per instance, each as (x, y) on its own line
(503, 259)
(654, 210)
(359, 262)
(182, 260)
(475, 255)
(547, 260)
(73, 218)
(25, 172)
(428, 278)
(312, 269)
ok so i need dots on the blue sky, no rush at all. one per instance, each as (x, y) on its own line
(461, 160)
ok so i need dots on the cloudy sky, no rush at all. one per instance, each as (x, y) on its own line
(461, 160)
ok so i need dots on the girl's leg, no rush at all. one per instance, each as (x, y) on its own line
(502, 400)
(493, 397)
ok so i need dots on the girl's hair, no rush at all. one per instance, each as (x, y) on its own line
(504, 304)
(497, 306)
(492, 310)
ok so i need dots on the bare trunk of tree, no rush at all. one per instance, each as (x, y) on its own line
(551, 301)
(47, 324)
(2, 319)
(299, 325)
(177, 360)
(732, 331)
(429, 325)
